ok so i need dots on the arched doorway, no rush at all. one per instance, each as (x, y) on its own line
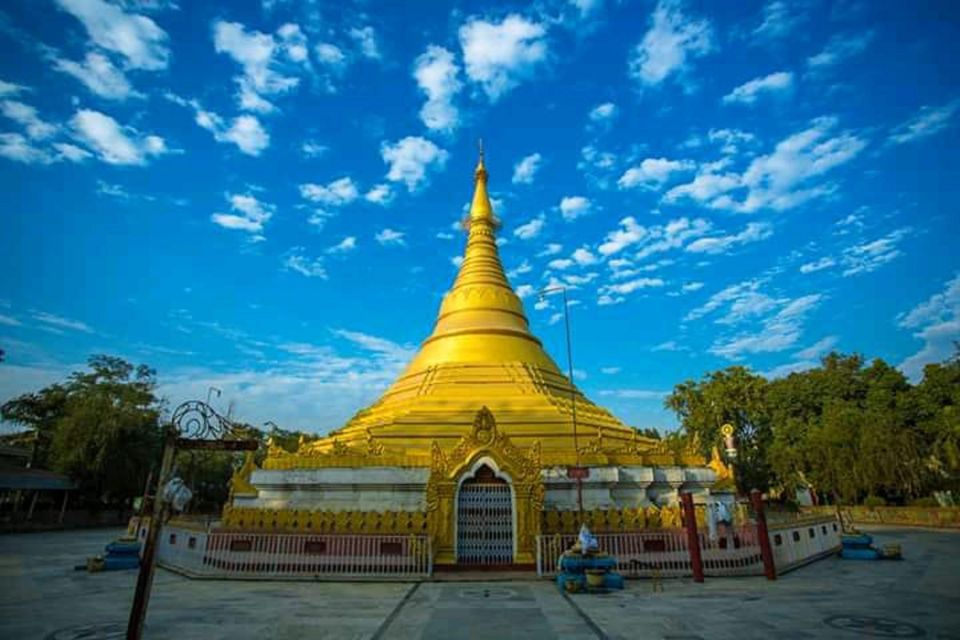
(485, 519)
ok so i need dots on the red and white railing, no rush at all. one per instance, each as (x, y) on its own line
(271, 555)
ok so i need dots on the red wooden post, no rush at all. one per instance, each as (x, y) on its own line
(766, 551)
(693, 540)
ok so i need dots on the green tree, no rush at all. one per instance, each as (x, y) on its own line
(38, 413)
(99, 427)
(736, 396)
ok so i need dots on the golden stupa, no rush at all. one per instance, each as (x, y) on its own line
(481, 353)
(481, 392)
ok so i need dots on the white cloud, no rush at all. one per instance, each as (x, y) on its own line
(524, 267)
(313, 149)
(671, 43)
(456, 261)
(673, 235)
(629, 233)
(331, 56)
(410, 158)
(817, 349)
(927, 122)
(573, 207)
(17, 147)
(261, 56)
(347, 244)
(778, 332)
(730, 139)
(437, 74)
(817, 265)
(652, 173)
(937, 322)
(366, 39)
(635, 394)
(245, 131)
(749, 92)
(390, 237)
(603, 113)
(498, 56)
(690, 287)
(780, 180)
(561, 263)
(61, 322)
(335, 194)
(584, 257)
(754, 232)
(525, 170)
(870, 256)
(531, 229)
(380, 194)
(9, 321)
(610, 371)
(778, 21)
(295, 260)
(623, 288)
(11, 89)
(551, 249)
(26, 116)
(840, 48)
(99, 75)
(250, 214)
(135, 37)
(525, 291)
(669, 345)
(115, 144)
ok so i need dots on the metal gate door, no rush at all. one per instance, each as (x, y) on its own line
(484, 523)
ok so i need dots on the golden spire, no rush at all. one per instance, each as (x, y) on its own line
(480, 208)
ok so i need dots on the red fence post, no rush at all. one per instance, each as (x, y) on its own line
(766, 552)
(693, 540)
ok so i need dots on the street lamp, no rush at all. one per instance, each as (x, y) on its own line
(577, 472)
(210, 390)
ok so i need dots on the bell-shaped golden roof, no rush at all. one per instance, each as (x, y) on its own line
(481, 353)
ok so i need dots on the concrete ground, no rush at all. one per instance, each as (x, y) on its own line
(42, 597)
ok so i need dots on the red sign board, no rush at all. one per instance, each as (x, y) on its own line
(578, 473)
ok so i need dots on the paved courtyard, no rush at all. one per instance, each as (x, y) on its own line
(42, 596)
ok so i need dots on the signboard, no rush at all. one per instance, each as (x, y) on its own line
(578, 473)
(218, 445)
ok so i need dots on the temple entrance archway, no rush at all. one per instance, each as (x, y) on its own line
(485, 517)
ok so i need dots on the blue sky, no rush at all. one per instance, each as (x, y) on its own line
(263, 197)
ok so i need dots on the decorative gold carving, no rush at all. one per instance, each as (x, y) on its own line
(725, 478)
(240, 482)
(522, 466)
(302, 521)
(374, 448)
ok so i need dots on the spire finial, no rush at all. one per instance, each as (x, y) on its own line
(481, 171)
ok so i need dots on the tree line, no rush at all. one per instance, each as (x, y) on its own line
(849, 430)
(104, 429)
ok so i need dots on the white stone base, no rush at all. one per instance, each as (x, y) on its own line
(404, 489)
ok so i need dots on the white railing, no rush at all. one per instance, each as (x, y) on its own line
(638, 554)
(794, 544)
(270, 555)
(735, 554)
(665, 552)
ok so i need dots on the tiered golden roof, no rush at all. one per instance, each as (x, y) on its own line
(482, 353)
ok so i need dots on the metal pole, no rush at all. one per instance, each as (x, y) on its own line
(766, 551)
(573, 402)
(141, 597)
(693, 538)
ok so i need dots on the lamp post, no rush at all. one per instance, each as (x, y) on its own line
(211, 390)
(577, 472)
